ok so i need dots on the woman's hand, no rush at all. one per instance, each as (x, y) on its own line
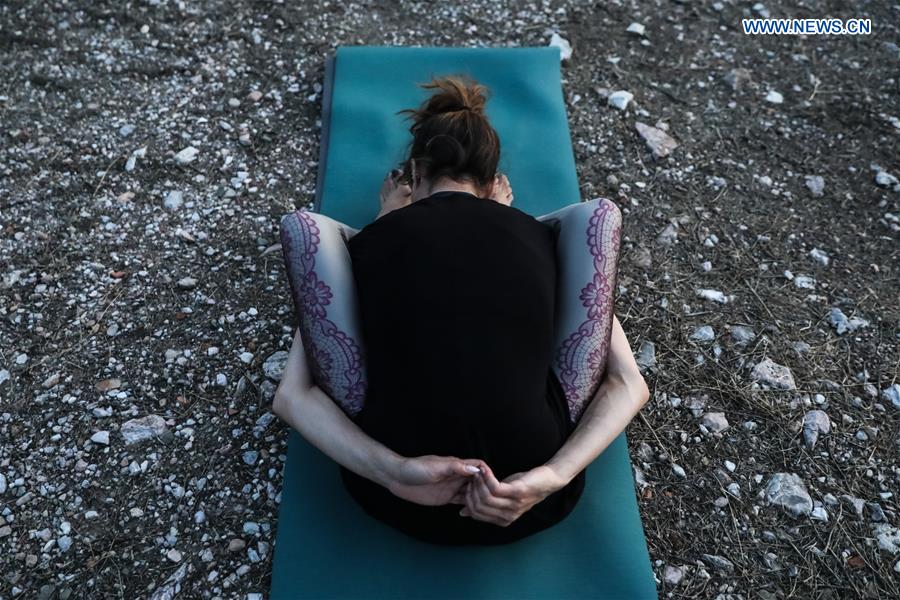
(502, 190)
(433, 480)
(394, 193)
(502, 502)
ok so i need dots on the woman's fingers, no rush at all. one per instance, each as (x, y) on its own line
(499, 488)
(476, 509)
(486, 498)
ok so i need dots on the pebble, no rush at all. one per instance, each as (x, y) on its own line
(246, 357)
(742, 335)
(255, 96)
(679, 470)
(646, 355)
(715, 296)
(64, 543)
(273, 366)
(4, 376)
(636, 29)
(173, 200)
(842, 324)
(814, 423)
(819, 514)
(714, 421)
(668, 236)
(174, 555)
(660, 143)
(703, 334)
(101, 437)
(143, 428)
(2, 484)
(250, 457)
(719, 562)
(816, 185)
(774, 97)
(187, 283)
(892, 394)
(820, 257)
(773, 375)
(620, 99)
(788, 491)
(236, 544)
(186, 156)
(887, 537)
(251, 528)
(565, 49)
(673, 575)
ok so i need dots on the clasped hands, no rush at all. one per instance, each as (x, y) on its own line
(434, 480)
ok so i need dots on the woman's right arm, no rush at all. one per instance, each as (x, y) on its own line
(429, 480)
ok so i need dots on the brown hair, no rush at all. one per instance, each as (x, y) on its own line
(451, 133)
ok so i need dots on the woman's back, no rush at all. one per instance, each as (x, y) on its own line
(456, 295)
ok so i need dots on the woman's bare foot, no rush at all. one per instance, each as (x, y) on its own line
(502, 192)
(394, 193)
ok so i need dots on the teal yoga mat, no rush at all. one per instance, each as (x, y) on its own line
(326, 546)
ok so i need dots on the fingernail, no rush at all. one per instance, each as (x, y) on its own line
(472, 469)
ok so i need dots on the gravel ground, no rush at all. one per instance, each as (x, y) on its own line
(149, 149)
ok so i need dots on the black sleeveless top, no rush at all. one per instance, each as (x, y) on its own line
(457, 297)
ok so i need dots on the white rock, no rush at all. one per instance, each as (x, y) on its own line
(820, 257)
(173, 200)
(892, 394)
(788, 491)
(658, 141)
(714, 421)
(246, 357)
(816, 184)
(187, 283)
(814, 423)
(703, 334)
(620, 99)
(773, 375)
(101, 437)
(885, 179)
(273, 367)
(888, 537)
(143, 428)
(186, 156)
(819, 514)
(673, 575)
(715, 296)
(774, 97)
(174, 555)
(4, 376)
(636, 29)
(565, 49)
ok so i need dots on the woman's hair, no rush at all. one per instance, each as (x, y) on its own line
(451, 133)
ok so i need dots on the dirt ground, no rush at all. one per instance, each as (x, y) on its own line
(134, 280)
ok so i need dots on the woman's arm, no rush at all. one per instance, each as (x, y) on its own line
(429, 480)
(617, 401)
(620, 396)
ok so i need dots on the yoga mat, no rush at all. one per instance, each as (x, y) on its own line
(326, 546)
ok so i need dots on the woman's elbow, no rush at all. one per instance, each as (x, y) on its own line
(641, 391)
(281, 402)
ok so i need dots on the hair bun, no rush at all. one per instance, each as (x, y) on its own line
(455, 93)
(446, 151)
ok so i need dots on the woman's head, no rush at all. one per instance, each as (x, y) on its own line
(452, 136)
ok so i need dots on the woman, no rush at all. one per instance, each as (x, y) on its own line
(456, 291)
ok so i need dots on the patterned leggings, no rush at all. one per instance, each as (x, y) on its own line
(323, 289)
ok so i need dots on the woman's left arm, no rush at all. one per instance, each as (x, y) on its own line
(619, 398)
(428, 480)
